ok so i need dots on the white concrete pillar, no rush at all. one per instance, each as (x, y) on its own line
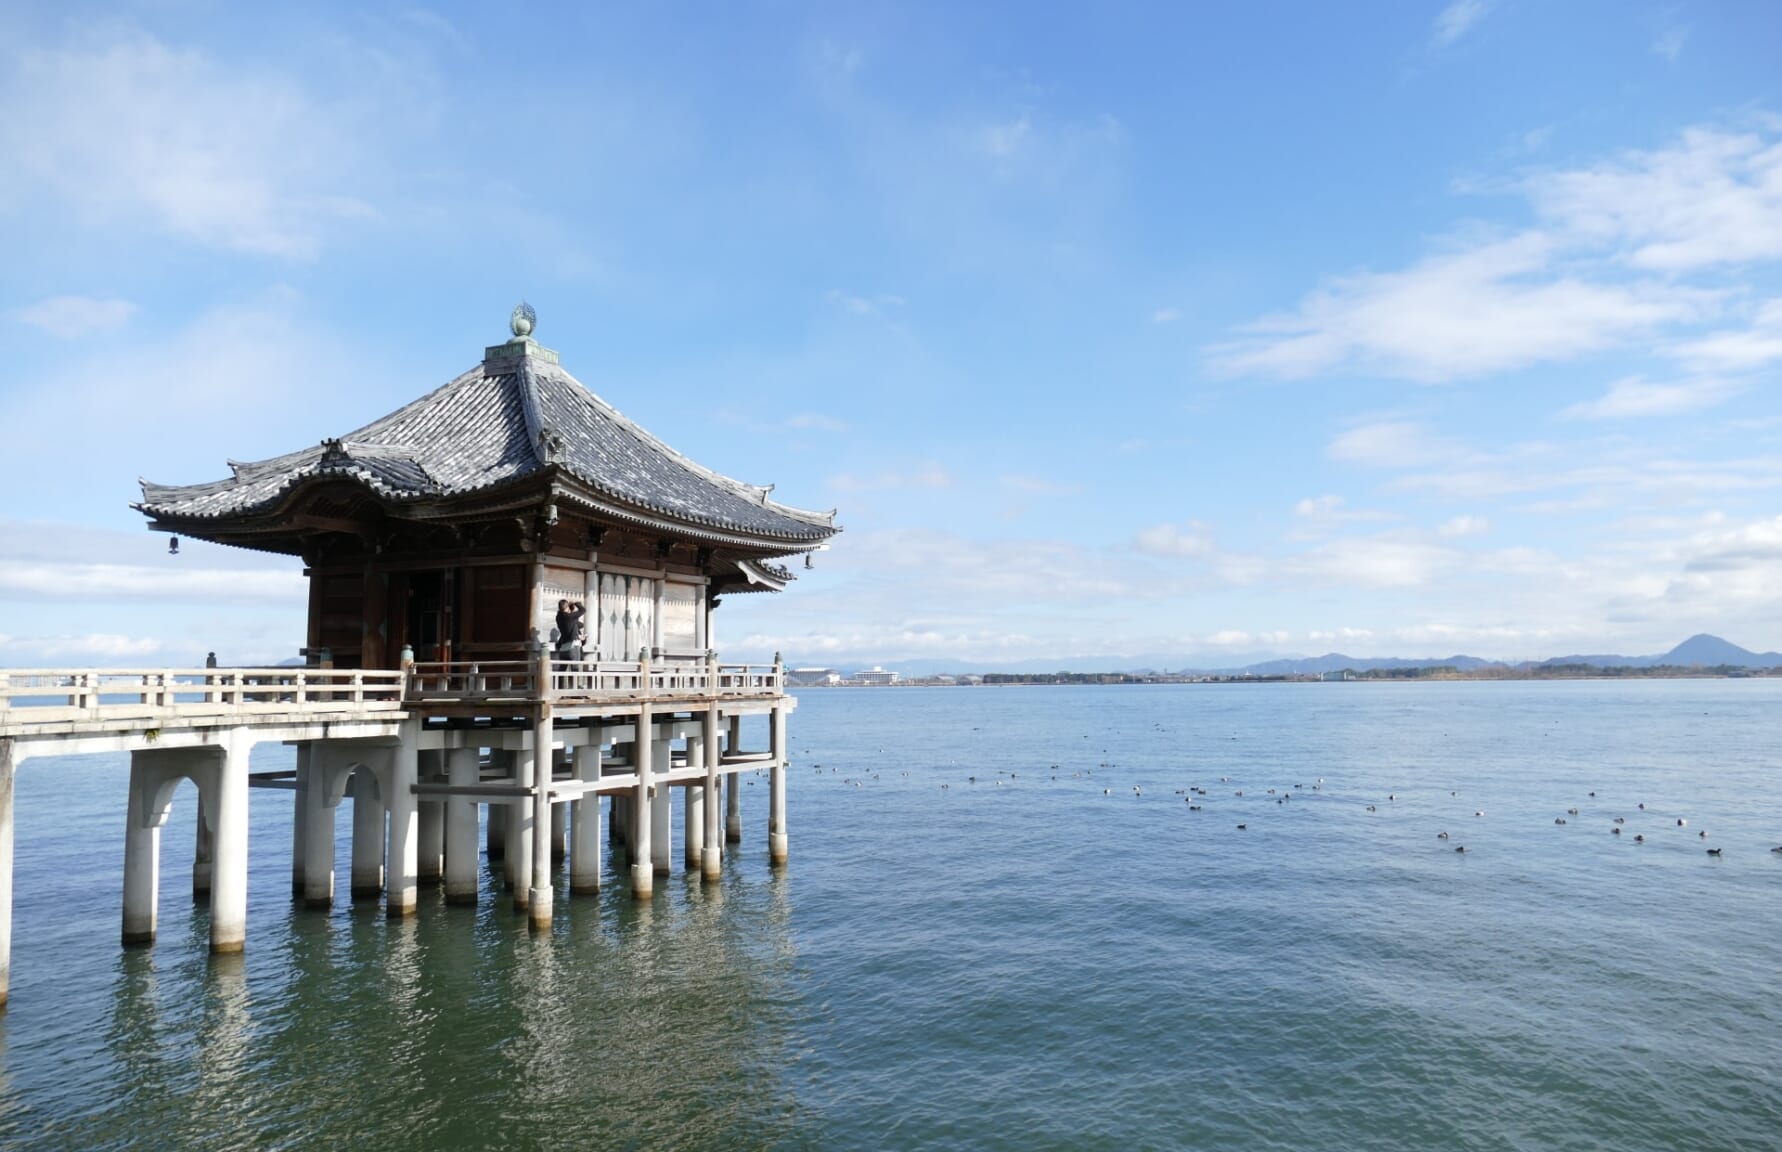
(662, 815)
(643, 876)
(402, 891)
(559, 835)
(711, 850)
(142, 854)
(367, 880)
(318, 828)
(543, 815)
(776, 791)
(202, 853)
(693, 847)
(229, 816)
(732, 788)
(7, 765)
(584, 828)
(460, 829)
(430, 845)
(299, 815)
(520, 831)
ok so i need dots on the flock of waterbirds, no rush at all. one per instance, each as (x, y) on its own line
(1196, 798)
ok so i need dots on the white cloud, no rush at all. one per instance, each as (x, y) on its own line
(1392, 444)
(1192, 539)
(1670, 42)
(1713, 197)
(86, 650)
(1038, 485)
(1457, 19)
(133, 132)
(1001, 141)
(922, 476)
(1229, 638)
(72, 317)
(817, 422)
(1383, 561)
(1488, 308)
(1633, 397)
(1341, 634)
(47, 581)
(1318, 507)
(1738, 350)
(1166, 315)
(1464, 526)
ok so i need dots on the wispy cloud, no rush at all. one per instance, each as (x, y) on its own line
(73, 317)
(817, 422)
(1634, 397)
(1166, 315)
(1457, 19)
(1038, 485)
(921, 476)
(1192, 540)
(1736, 350)
(1669, 43)
(1463, 526)
(132, 131)
(1392, 444)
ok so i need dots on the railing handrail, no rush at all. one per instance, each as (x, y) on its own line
(56, 695)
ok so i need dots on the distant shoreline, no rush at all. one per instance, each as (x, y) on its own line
(1394, 675)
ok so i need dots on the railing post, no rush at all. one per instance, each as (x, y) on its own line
(358, 686)
(643, 673)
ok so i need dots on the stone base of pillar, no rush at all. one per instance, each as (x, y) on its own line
(538, 912)
(712, 867)
(776, 849)
(643, 881)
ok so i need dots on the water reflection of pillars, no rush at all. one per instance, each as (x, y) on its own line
(776, 786)
(642, 750)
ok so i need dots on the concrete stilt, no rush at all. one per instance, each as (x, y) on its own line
(460, 830)
(368, 836)
(643, 876)
(520, 832)
(299, 815)
(711, 852)
(584, 828)
(318, 830)
(693, 848)
(202, 855)
(403, 887)
(544, 813)
(7, 764)
(776, 791)
(430, 847)
(142, 856)
(229, 816)
(496, 834)
(733, 790)
(559, 834)
(662, 819)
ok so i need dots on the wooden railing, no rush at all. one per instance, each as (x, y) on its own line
(56, 695)
(592, 679)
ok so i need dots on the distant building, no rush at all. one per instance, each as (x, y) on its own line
(1345, 674)
(875, 677)
(812, 677)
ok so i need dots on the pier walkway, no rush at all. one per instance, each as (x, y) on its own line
(419, 751)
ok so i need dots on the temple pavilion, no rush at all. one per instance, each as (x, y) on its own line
(452, 527)
(439, 692)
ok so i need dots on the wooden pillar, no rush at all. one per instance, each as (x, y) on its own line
(711, 851)
(460, 829)
(776, 790)
(367, 880)
(642, 873)
(584, 828)
(228, 887)
(402, 891)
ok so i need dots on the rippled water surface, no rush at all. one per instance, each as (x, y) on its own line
(1017, 962)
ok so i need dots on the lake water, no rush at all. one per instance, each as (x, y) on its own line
(1017, 963)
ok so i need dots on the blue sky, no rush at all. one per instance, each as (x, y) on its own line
(1129, 333)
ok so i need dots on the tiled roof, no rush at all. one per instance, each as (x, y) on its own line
(508, 418)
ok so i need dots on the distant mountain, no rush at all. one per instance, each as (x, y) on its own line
(1700, 650)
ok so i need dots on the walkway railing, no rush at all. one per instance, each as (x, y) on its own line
(59, 695)
(591, 679)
